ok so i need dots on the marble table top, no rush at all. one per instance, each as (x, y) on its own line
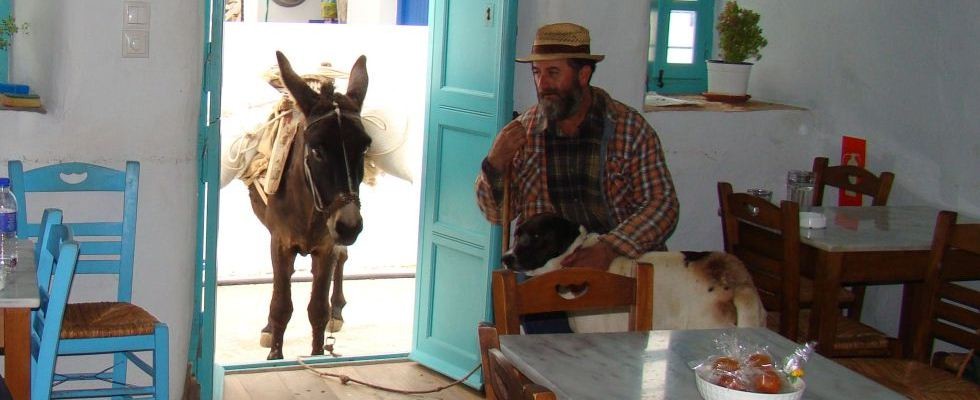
(20, 287)
(873, 228)
(656, 364)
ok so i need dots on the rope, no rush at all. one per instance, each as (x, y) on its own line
(344, 379)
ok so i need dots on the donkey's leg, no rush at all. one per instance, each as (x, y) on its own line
(281, 306)
(323, 264)
(337, 300)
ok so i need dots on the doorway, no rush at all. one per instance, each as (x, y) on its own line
(379, 275)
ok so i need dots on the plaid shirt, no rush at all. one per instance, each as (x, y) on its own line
(636, 184)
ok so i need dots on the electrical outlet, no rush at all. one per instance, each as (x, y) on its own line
(136, 15)
(135, 44)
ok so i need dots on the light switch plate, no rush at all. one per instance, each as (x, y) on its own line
(136, 15)
(135, 44)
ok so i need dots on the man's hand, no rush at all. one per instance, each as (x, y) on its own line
(599, 256)
(510, 139)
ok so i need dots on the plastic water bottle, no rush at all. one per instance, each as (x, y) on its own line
(8, 226)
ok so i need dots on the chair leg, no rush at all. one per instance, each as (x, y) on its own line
(161, 361)
(119, 366)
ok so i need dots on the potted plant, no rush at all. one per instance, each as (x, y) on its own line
(739, 39)
(9, 27)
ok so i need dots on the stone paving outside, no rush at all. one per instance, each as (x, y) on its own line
(378, 320)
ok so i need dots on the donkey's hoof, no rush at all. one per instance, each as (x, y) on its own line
(265, 340)
(334, 325)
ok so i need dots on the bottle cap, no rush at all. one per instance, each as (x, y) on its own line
(4, 182)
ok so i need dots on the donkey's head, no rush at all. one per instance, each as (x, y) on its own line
(334, 146)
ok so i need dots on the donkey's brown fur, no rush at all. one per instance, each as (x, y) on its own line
(331, 149)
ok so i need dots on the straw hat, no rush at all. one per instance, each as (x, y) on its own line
(560, 41)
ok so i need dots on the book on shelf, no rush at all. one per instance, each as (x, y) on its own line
(29, 100)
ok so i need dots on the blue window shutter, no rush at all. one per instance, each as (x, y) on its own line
(666, 78)
(411, 12)
(4, 12)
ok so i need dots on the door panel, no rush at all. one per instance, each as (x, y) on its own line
(469, 100)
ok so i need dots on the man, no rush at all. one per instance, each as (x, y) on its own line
(583, 155)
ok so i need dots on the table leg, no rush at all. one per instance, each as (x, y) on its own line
(17, 360)
(823, 317)
(912, 304)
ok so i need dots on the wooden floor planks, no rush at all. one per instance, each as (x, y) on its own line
(302, 384)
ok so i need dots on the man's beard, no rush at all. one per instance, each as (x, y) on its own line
(562, 107)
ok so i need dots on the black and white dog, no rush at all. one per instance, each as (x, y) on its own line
(692, 290)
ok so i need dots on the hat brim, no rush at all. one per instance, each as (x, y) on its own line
(560, 56)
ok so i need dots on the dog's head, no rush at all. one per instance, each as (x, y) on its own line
(540, 239)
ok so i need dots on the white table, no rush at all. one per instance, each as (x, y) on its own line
(17, 298)
(655, 365)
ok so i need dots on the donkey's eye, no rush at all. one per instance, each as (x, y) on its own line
(316, 154)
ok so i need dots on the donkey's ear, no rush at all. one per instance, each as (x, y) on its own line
(305, 96)
(357, 84)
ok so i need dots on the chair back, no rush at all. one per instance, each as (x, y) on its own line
(952, 313)
(106, 246)
(507, 382)
(597, 290)
(750, 225)
(501, 379)
(59, 255)
(49, 219)
(850, 178)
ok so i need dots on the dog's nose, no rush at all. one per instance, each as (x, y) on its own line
(508, 260)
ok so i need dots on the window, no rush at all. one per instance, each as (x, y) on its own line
(4, 12)
(680, 42)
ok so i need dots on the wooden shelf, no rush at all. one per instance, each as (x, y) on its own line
(705, 105)
(39, 110)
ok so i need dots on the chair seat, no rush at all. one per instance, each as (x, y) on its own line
(106, 319)
(844, 296)
(913, 378)
(851, 339)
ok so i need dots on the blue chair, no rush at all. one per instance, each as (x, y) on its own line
(106, 248)
(59, 256)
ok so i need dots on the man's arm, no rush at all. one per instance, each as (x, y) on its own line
(490, 181)
(651, 186)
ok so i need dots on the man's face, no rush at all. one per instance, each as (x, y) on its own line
(559, 88)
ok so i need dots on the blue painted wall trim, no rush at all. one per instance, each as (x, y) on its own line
(4, 12)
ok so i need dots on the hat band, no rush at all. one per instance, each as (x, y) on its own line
(560, 49)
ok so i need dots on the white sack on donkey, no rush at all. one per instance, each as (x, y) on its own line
(692, 290)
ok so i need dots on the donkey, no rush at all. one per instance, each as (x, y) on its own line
(316, 210)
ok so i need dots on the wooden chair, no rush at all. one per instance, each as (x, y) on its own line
(503, 381)
(766, 238)
(511, 300)
(106, 248)
(854, 179)
(604, 291)
(951, 314)
(58, 255)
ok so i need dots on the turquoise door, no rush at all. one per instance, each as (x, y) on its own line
(200, 355)
(469, 100)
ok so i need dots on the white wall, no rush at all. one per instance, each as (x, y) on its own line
(358, 11)
(901, 76)
(104, 109)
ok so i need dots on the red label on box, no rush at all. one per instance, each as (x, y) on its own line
(853, 152)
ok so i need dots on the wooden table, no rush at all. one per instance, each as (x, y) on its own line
(867, 245)
(656, 364)
(17, 298)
